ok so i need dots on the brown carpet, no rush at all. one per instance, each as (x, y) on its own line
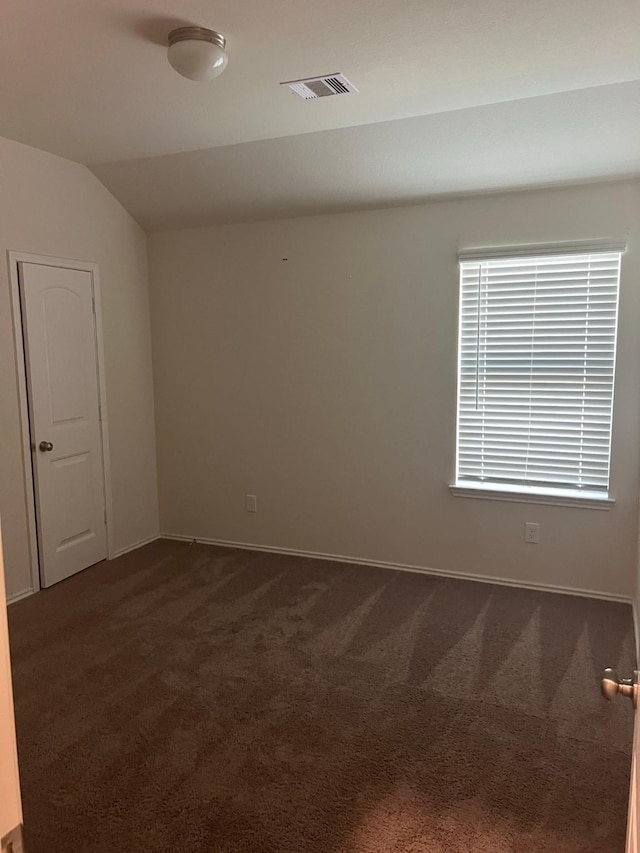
(202, 699)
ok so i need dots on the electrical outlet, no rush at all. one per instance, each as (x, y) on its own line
(531, 532)
(251, 503)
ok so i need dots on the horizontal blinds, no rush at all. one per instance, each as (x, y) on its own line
(536, 370)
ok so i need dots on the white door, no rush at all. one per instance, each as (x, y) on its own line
(633, 840)
(10, 807)
(58, 317)
(612, 686)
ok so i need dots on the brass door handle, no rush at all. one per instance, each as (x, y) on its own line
(611, 685)
(45, 446)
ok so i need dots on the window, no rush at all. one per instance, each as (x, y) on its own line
(536, 374)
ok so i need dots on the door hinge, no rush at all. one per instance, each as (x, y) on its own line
(99, 411)
(105, 518)
(12, 842)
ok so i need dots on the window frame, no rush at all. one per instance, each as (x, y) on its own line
(521, 493)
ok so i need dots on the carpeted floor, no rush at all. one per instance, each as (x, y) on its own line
(185, 697)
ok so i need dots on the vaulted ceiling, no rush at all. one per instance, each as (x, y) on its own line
(455, 96)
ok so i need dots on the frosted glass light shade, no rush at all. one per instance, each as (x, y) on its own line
(196, 53)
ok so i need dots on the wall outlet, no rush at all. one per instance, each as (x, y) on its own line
(251, 503)
(531, 532)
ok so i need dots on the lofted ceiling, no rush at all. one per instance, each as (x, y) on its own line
(572, 136)
(453, 94)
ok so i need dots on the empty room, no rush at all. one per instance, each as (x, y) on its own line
(320, 417)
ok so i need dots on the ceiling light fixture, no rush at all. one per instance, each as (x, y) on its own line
(197, 53)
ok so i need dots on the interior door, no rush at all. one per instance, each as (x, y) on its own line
(58, 316)
(10, 807)
(613, 686)
(634, 791)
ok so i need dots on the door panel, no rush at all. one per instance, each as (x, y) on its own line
(62, 312)
(62, 376)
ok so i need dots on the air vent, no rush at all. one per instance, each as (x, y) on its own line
(321, 87)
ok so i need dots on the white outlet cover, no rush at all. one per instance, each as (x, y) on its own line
(532, 532)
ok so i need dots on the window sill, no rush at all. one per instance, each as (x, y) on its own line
(517, 494)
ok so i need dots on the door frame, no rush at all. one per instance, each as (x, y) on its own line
(14, 258)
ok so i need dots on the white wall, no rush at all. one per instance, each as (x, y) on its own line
(325, 384)
(50, 206)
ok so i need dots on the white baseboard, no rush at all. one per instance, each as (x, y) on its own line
(17, 596)
(403, 567)
(135, 545)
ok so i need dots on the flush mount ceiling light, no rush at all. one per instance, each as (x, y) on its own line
(197, 53)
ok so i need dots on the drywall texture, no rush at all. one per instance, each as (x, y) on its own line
(49, 206)
(312, 362)
(499, 146)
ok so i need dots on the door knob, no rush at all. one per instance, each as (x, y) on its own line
(45, 445)
(611, 685)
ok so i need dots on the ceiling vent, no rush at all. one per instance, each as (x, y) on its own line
(321, 87)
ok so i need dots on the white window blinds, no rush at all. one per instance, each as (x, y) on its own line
(536, 370)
